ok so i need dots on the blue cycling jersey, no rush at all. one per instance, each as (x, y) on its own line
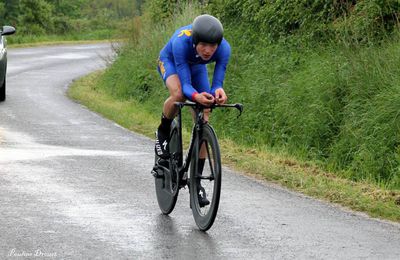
(182, 52)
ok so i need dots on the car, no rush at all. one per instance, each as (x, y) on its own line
(7, 30)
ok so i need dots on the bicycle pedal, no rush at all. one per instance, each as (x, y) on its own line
(161, 163)
(156, 172)
(182, 184)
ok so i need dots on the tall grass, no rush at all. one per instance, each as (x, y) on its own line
(333, 104)
(101, 34)
(330, 103)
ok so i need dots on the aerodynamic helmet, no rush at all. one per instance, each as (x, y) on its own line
(207, 28)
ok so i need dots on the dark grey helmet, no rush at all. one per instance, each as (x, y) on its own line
(207, 28)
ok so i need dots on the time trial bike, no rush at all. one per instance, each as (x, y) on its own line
(204, 160)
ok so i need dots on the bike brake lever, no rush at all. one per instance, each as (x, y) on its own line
(240, 108)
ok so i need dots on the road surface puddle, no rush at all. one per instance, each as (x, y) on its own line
(21, 147)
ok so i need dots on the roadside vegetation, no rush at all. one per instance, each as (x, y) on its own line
(320, 85)
(38, 21)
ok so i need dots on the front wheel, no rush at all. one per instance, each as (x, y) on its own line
(206, 181)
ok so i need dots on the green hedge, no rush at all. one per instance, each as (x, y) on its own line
(65, 17)
(317, 20)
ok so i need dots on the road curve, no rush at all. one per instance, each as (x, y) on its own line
(74, 185)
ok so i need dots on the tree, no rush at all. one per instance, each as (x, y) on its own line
(2, 12)
(69, 8)
(64, 16)
(11, 11)
(36, 17)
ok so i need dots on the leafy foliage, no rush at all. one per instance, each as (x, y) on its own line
(40, 17)
(37, 16)
(358, 20)
(319, 79)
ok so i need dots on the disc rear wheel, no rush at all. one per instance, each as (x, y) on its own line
(167, 188)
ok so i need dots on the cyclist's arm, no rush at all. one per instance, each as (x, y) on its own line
(223, 56)
(179, 51)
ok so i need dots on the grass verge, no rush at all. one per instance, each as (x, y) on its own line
(18, 40)
(301, 176)
(61, 42)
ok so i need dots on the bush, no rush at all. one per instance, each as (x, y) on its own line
(65, 17)
(315, 20)
(36, 17)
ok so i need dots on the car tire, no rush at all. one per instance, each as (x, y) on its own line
(3, 91)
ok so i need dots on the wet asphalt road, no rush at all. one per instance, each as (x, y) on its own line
(76, 186)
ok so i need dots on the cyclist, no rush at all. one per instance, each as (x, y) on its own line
(182, 66)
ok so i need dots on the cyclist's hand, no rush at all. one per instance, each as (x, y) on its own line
(204, 98)
(220, 96)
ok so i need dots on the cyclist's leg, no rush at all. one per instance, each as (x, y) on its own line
(174, 87)
(167, 71)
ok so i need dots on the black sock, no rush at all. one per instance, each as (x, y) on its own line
(200, 167)
(165, 123)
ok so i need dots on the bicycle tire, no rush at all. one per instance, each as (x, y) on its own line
(205, 216)
(3, 91)
(167, 188)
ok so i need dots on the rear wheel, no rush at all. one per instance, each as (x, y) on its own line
(167, 188)
(208, 182)
(3, 91)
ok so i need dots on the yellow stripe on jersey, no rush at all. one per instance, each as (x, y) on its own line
(185, 32)
(162, 68)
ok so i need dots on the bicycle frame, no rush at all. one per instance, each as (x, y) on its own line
(183, 166)
(168, 181)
